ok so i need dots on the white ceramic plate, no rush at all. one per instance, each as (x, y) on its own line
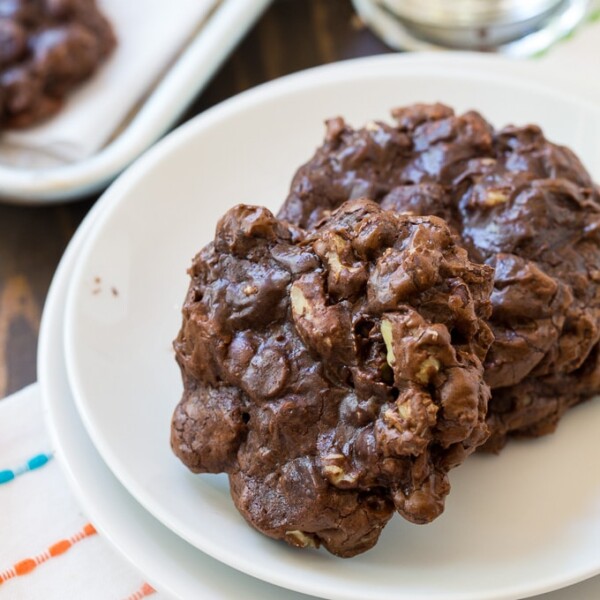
(515, 525)
(170, 564)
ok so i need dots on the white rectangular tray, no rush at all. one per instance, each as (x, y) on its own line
(165, 104)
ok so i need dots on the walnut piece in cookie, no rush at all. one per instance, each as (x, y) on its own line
(519, 203)
(47, 48)
(335, 375)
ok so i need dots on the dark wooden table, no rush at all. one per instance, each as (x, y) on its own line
(292, 35)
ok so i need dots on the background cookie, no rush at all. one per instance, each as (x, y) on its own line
(47, 47)
(517, 202)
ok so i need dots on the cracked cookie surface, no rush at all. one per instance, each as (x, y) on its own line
(517, 202)
(336, 374)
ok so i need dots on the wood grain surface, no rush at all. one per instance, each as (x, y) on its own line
(291, 35)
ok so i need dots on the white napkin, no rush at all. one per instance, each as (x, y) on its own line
(150, 34)
(39, 517)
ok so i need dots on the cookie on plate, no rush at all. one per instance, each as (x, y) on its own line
(336, 375)
(516, 201)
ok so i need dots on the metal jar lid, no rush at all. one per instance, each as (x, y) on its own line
(517, 27)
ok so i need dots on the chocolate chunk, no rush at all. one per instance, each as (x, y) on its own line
(515, 201)
(47, 48)
(336, 375)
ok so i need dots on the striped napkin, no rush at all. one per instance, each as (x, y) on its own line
(48, 549)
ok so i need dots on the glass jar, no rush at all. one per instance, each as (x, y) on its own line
(517, 27)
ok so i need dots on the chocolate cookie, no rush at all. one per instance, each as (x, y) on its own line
(517, 202)
(47, 47)
(335, 375)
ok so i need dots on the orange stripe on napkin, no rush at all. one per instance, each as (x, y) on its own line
(145, 590)
(24, 567)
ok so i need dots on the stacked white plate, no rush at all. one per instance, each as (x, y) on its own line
(519, 524)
